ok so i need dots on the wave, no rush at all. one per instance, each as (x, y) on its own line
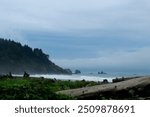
(75, 77)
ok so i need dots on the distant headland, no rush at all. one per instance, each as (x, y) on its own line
(17, 58)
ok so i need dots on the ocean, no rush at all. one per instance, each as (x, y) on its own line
(89, 77)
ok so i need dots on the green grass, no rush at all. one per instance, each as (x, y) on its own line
(19, 88)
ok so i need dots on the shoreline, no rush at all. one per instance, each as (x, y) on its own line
(74, 77)
(33, 88)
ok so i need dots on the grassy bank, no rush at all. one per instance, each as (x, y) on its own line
(25, 88)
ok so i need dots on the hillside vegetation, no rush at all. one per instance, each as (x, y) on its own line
(16, 58)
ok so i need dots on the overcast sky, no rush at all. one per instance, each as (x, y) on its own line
(113, 35)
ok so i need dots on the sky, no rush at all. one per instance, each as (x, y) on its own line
(109, 35)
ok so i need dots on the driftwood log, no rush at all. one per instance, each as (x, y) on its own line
(138, 84)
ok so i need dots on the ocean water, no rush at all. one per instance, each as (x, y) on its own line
(88, 77)
(76, 77)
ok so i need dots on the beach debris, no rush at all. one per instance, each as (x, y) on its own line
(26, 75)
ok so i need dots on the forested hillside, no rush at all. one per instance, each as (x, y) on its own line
(16, 58)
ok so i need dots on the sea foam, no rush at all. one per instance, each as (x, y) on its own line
(75, 77)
